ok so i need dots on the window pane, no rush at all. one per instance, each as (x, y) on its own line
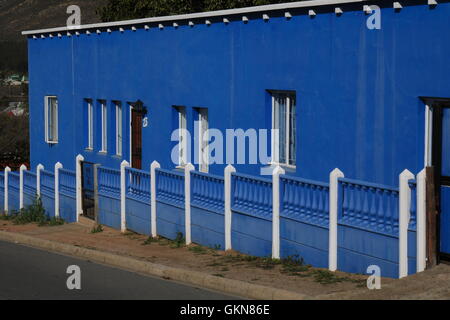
(119, 129)
(52, 121)
(183, 142)
(204, 140)
(104, 123)
(292, 132)
(90, 126)
(281, 108)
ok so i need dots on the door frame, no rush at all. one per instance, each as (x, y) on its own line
(131, 132)
(433, 151)
(84, 190)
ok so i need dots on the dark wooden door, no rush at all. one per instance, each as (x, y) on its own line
(136, 139)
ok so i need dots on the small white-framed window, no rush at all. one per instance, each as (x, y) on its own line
(284, 137)
(90, 125)
(104, 127)
(204, 140)
(119, 131)
(51, 119)
(182, 136)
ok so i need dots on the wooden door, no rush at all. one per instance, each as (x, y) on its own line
(136, 139)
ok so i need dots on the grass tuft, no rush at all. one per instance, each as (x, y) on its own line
(97, 229)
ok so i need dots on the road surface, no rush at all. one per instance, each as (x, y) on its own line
(28, 273)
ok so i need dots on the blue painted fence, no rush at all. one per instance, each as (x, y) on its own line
(304, 212)
(67, 195)
(29, 188)
(13, 192)
(368, 227)
(109, 197)
(368, 214)
(251, 204)
(48, 192)
(138, 201)
(170, 219)
(207, 210)
(2, 191)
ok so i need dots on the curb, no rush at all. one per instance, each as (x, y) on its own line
(195, 278)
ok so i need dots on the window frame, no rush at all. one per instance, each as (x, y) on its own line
(203, 144)
(119, 124)
(104, 127)
(90, 124)
(182, 128)
(275, 140)
(55, 139)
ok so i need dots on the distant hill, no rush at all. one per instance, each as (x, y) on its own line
(20, 15)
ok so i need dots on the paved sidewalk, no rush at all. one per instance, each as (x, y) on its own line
(235, 273)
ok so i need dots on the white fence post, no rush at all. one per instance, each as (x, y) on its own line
(58, 166)
(421, 221)
(123, 194)
(276, 211)
(39, 168)
(155, 165)
(7, 171)
(228, 214)
(22, 169)
(333, 218)
(187, 201)
(79, 160)
(404, 217)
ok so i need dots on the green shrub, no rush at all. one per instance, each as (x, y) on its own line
(97, 229)
(34, 213)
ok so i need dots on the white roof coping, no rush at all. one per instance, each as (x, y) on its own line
(201, 15)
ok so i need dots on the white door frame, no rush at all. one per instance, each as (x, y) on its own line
(428, 135)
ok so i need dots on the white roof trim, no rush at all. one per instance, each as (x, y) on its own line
(202, 15)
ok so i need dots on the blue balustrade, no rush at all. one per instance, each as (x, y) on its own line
(207, 191)
(2, 191)
(47, 183)
(304, 200)
(251, 195)
(138, 185)
(369, 206)
(109, 182)
(29, 182)
(170, 187)
(67, 182)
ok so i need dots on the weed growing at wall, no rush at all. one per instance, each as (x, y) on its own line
(97, 229)
(34, 213)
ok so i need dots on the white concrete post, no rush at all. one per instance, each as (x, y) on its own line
(276, 211)
(79, 160)
(187, 201)
(58, 166)
(421, 221)
(155, 165)
(123, 193)
(228, 214)
(39, 168)
(7, 171)
(22, 169)
(404, 217)
(333, 218)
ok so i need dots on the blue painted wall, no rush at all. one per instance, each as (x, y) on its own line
(2, 192)
(138, 216)
(13, 192)
(357, 89)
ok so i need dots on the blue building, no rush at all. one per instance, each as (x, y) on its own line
(346, 85)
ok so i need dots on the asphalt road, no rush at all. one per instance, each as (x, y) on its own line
(28, 273)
